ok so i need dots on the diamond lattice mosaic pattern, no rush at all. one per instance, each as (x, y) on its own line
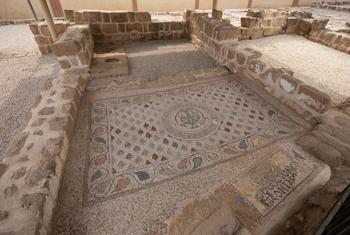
(148, 138)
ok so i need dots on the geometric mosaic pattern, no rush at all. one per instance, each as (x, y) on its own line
(139, 140)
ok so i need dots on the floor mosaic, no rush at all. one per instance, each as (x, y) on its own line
(139, 140)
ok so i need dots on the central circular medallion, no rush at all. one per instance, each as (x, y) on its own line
(189, 121)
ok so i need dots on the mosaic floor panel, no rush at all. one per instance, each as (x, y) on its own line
(139, 140)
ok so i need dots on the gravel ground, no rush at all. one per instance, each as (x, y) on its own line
(324, 68)
(149, 60)
(23, 71)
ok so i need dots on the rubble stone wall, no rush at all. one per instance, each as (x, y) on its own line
(279, 82)
(42, 34)
(268, 22)
(31, 172)
(74, 49)
(129, 26)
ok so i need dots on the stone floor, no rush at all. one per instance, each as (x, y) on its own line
(316, 65)
(162, 154)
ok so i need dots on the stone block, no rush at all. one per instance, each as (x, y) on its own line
(108, 28)
(92, 16)
(258, 13)
(288, 83)
(142, 17)
(255, 33)
(250, 22)
(210, 28)
(66, 48)
(224, 33)
(266, 22)
(109, 65)
(292, 25)
(65, 64)
(44, 49)
(187, 14)
(269, 31)
(131, 27)
(216, 14)
(314, 99)
(84, 58)
(119, 17)
(177, 26)
(79, 17)
(106, 17)
(34, 28)
(319, 24)
(40, 40)
(304, 26)
(256, 66)
(279, 22)
(69, 15)
(121, 28)
(241, 58)
(156, 26)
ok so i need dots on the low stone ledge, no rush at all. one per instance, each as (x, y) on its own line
(74, 49)
(338, 41)
(31, 171)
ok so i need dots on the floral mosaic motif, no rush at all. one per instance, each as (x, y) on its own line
(143, 139)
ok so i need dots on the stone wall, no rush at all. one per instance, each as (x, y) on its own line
(220, 41)
(74, 49)
(338, 41)
(125, 26)
(31, 171)
(333, 5)
(42, 34)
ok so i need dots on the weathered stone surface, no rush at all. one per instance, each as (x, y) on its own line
(314, 99)
(34, 28)
(3, 169)
(241, 58)
(109, 64)
(34, 202)
(142, 17)
(109, 28)
(46, 111)
(92, 16)
(288, 83)
(222, 222)
(226, 33)
(66, 48)
(19, 173)
(17, 145)
(42, 171)
(3, 215)
(69, 15)
(216, 14)
(65, 64)
(292, 25)
(119, 17)
(250, 22)
(10, 191)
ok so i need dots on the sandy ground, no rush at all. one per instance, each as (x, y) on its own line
(324, 68)
(23, 71)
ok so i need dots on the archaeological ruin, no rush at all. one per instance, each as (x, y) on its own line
(231, 121)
